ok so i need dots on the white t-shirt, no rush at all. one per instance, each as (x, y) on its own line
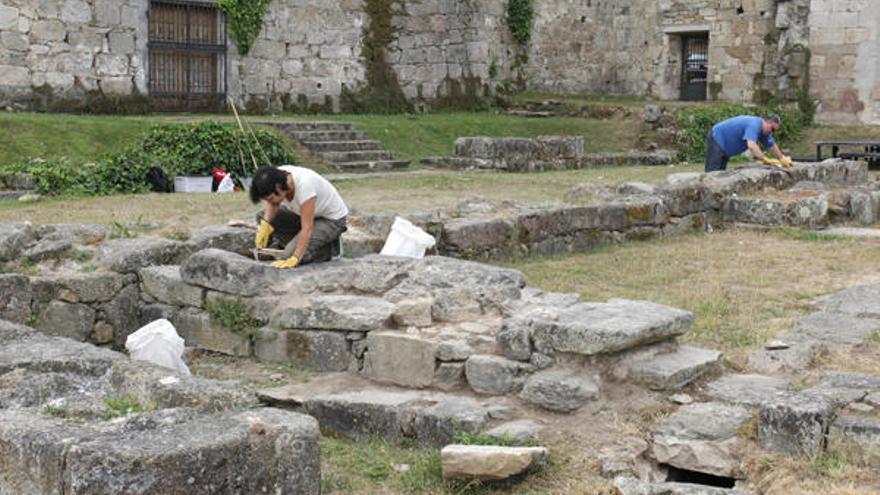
(307, 184)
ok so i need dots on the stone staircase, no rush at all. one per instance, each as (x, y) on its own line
(340, 145)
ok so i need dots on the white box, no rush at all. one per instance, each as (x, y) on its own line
(192, 183)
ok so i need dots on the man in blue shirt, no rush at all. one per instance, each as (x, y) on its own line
(737, 134)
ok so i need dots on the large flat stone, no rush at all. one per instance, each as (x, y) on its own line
(75, 233)
(837, 329)
(165, 285)
(745, 390)
(331, 312)
(559, 390)
(130, 255)
(437, 425)
(15, 297)
(197, 330)
(635, 486)
(317, 350)
(862, 301)
(74, 321)
(15, 237)
(400, 359)
(520, 430)
(793, 359)
(703, 437)
(233, 239)
(619, 324)
(861, 433)
(489, 462)
(843, 388)
(794, 424)
(23, 347)
(674, 370)
(363, 413)
(231, 273)
(495, 375)
(90, 287)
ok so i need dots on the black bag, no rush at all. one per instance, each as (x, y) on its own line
(158, 180)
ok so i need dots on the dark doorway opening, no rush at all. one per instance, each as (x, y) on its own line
(695, 66)
(187, 47)
(697, 478)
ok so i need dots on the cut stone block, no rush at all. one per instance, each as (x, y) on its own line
(15, 297)
(674, 370)
(703, 437)
(437, 425)
(598, 328)
(317, 350)
(74, 321)
(413, 312)
(745, 390)
(495, 375)
(843, 388)
(855, 432)
(15, 237)
(521, 430)
(363, 413)
(400, 359)
(233, 239)
(454, 350)
(231, 273)
(47, 249)
(165, 284)
(561, 391)
(197, 329)
(449, 376)
(351, 313)
(794, 424)
(514, 339)
(130, 255)
(487, 462)
(90, 287)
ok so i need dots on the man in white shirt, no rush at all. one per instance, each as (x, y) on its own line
(304, 214)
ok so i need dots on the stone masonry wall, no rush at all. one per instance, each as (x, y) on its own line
(844, 38)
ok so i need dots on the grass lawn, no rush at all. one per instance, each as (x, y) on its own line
(806, 147)
(79, 138)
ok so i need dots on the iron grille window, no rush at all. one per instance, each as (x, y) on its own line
(187, 46)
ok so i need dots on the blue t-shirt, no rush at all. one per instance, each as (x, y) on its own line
(732, 134)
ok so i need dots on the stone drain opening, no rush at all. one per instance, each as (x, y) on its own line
(697, 478)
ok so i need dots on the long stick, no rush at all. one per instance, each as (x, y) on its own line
(234, 111)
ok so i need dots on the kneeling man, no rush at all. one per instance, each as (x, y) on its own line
(304, 214)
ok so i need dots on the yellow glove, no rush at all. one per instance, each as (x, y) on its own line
(786, 161)
(771, 161)
(288, 263)
(264, 230)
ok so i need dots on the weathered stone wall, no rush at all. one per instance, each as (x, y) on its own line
(844, 64)
(71, 47)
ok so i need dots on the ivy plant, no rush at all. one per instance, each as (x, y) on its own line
(519, 19)
(245, 20)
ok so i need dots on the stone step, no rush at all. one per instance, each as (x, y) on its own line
(674, 370)
(341, 135)
(294, 126)
(356, 156)
(372, 165)
(362, 145)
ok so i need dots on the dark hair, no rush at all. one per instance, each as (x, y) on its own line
(772, 117)
(265, 180)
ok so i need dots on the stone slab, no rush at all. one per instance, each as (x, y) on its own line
(316, 350)
(495, 375)
(437, 425)
(231, 273)
(488, 462)
(745, 390)
(794, 424)
(674, 370)
(399, 358)
(559, 390)
(130, 255)
(336, 312)
(363, 413)
(164, 284)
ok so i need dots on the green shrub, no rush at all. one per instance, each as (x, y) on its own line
(519, 19)
(234, 316)
(695, 123)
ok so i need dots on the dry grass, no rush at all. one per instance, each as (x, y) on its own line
(743, 286)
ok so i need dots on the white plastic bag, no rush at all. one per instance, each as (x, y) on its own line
(405, 239)
(226, 184)
(158, 343)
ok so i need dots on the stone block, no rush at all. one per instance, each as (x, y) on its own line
(837, 329)
(471, 236)
(437, 425)
(317, 350)
(561, 391)
(489, 462)
(230, 273)
(233, 239)
(152, 312)
(90, 287)
(794, 424)
(514, 339)
(674, 370)
(15, 237)
(363, 413)
(844, 388)
(165, 284)
(861, 301)
(454, 350)
(351, 313)
(130, 255)
(703, 437)
(121, 313)
(795, 358)
(449, 376)
(619, 324)
(745, 390)
(399, 358)
(453, 305)
(413, 312)
(75, 233)
(754, 211)
(74, 321)
(15, 297)
(46, 250)
(197, 329)
(495, 375)
(520, 430)
(855, 433)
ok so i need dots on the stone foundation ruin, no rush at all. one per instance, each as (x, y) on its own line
(464, 339)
